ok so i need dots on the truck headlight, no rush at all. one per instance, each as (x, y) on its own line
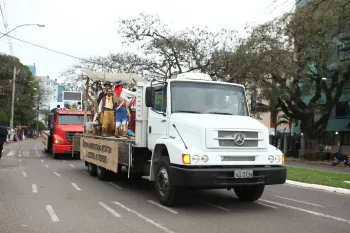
(271, 158)
(186, 158)
(59, 141)
(278, 158)
(205, 158)
(195, 158)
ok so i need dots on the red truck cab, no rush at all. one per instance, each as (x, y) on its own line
(63, 124)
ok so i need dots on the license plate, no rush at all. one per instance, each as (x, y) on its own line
(244, 174)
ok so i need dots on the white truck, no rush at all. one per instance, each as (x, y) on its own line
(191, 133)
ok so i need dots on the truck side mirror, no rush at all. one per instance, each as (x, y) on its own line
(253, 106)
(149, 97)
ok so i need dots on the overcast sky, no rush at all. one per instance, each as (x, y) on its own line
(86, 28)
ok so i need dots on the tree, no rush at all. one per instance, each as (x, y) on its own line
(24, 95)
(292, 56)
(42, 95)
(166, 51)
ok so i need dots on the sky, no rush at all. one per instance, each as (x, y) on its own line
(85, 28)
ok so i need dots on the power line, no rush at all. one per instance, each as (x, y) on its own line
(54, 51)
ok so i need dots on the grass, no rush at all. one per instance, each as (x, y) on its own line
(320, 177)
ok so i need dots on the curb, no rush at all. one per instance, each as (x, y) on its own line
(319, 187)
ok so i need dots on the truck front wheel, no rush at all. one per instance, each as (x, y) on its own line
(165, 190)
(249, 193)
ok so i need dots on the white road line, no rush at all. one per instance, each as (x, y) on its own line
(71, 165)
(86, 172)
(19, 155)
(37, 154)
(109, 209)
(273, 207)
(34, 188)
(24, 174)
(11, 153)
(64, 161)
(76, 186)
(114, 185)
(20, 160)
(216, 206)
(56, 174)
(35, 147)
(308, 203)
(46, 165)
(163, 207)
(144, 218)
(52, 214)
(42, 161)
(308, 211)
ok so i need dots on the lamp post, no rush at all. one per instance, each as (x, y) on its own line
(15, 72)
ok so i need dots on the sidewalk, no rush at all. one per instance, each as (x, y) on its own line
(319, 165)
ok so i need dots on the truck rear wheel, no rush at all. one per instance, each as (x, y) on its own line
(102, 173)
(54, 155)
(92, 169)
(165, 190)
(249, 193)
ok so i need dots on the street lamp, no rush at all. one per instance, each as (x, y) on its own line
(15, 71)
(22, 25)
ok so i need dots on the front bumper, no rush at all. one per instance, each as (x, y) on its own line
(62, 149)
(223, 177)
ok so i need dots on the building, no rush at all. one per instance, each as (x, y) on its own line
(338, 128)
(32, 69)
(49, 93)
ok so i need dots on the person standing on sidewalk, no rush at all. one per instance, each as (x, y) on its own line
(3, 136)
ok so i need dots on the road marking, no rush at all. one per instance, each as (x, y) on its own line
(35, 147)
(42, 161)
(52, 214)
(37, 154)
(308, 211)
(71, 165)
(56, 174)
(114, 185)
(163, 207)
(144, 218)
(76, 186)
(216, 206)
(20, 160)
(34, 188)
(273, 207)
(86, 172)
(24, 174)
(46, 165)
(26, 154)
(308, 203)
(109, 209)
(64, 161)
(11, 153)
(19, 155)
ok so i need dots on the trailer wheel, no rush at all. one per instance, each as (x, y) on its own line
(249, 193)
(92, 169)
(102, 173)
(165, 190)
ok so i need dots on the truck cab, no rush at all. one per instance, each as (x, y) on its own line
(201, 135)
(63, 125)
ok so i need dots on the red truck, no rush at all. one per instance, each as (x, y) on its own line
(62, 125)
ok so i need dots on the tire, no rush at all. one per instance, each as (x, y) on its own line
(249, 193)
(102, 173)
(166, 192)
(92, 169)
(54, 155)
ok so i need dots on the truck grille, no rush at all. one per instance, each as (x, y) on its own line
(247, 139)
(69, 136)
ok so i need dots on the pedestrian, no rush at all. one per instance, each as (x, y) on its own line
(327, 152)
(338, 155)
(3, 136)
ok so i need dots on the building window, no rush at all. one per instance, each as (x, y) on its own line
(345, 138)
(342, 110)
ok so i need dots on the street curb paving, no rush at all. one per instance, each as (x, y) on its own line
(319, 187)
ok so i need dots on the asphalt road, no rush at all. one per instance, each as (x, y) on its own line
(41, 195)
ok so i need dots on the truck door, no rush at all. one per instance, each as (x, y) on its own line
(157, 126)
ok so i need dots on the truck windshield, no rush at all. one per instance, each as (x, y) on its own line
(208, 98)
(70, 119)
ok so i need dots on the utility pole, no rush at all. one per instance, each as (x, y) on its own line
(13, 96)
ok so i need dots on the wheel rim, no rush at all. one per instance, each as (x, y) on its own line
(163, 181)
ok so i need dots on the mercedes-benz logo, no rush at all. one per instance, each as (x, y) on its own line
(238, 138)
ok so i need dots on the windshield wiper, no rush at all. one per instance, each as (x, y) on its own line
(189, 111)
(220, 113)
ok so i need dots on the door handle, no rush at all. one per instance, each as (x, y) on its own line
(149, 129)
(163, 121)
